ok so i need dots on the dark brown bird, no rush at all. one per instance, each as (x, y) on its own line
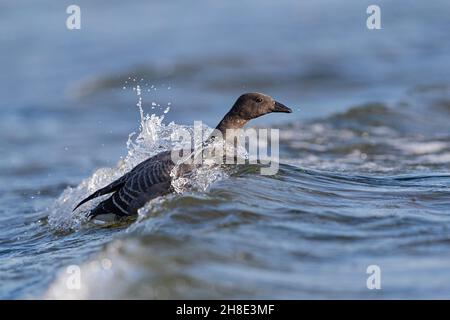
(151, 178)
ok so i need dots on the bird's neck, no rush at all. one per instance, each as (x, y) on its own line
(230, 121)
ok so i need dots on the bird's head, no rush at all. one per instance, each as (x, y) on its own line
(253, 105)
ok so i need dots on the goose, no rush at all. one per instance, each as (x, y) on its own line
(152, 177)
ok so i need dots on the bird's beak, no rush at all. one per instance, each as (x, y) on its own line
(279, 107)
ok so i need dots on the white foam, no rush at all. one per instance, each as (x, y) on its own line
(436, 158)
(419, 148)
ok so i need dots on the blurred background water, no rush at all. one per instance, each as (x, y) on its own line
(365, 156)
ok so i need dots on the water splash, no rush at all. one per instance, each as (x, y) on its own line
(154, 136)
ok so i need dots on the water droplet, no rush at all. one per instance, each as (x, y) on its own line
(106, 264)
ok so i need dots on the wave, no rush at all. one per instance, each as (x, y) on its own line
(251, 236)
(374, 138)
(359, 185)
(411, 135)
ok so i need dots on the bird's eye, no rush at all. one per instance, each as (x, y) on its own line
(259, 100)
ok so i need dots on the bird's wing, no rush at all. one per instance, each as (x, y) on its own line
(158, 167)
(141, 185)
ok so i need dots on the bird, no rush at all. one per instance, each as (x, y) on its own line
(152, 177)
